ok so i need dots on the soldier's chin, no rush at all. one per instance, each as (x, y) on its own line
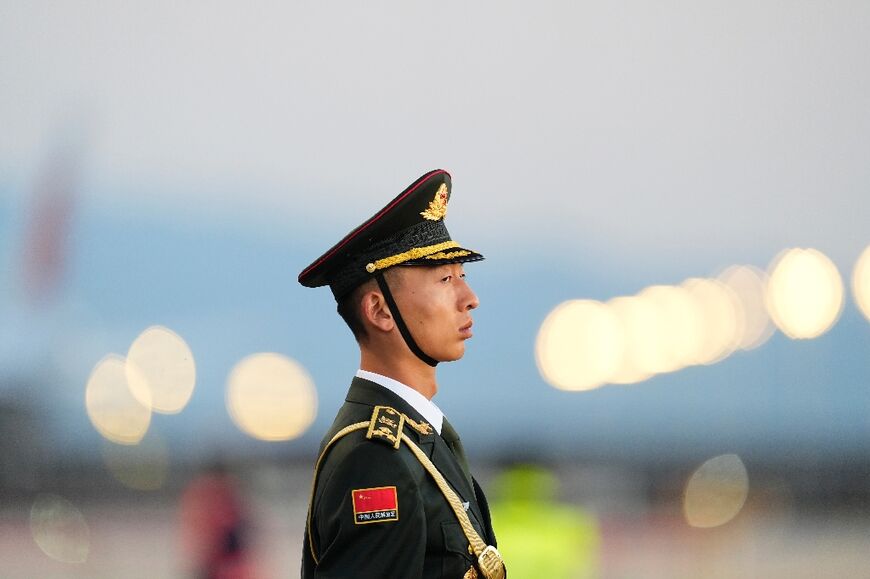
(453, 356)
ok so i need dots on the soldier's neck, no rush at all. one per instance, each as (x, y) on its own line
(408, 370)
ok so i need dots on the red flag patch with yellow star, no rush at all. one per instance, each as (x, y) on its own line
(375, 505)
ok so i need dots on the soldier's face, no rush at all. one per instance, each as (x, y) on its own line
(436, 303)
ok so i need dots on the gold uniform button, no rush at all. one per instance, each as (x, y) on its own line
(370, 268)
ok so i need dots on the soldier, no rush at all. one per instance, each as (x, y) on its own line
(392, 495)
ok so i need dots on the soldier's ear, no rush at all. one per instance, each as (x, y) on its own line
(375, 311)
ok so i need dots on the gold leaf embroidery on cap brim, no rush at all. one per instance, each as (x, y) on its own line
(415, 253)
(449, 254)
(438, 206)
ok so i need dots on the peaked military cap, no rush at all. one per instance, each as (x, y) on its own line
(409, 230)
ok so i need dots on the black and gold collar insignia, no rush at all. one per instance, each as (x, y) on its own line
(423, 428)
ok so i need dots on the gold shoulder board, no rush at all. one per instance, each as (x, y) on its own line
(386, 425)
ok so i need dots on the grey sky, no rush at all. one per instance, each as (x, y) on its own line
(646, 131)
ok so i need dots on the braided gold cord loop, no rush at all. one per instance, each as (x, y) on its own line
(488, 558)
(491, 564)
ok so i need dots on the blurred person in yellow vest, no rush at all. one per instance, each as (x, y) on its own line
(539, 537)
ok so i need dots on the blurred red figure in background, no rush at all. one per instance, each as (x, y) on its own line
(213, 527)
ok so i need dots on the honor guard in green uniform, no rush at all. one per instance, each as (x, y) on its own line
(392, 495)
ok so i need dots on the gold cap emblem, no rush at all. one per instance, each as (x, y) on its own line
(438, 206)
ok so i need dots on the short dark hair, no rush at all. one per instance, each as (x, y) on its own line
(348, 308)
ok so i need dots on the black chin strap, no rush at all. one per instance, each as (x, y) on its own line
(403, 329)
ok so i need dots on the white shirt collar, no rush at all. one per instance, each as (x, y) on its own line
(418, 402)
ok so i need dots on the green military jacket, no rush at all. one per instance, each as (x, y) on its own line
(377, 513)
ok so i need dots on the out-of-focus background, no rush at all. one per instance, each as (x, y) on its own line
(670, 374)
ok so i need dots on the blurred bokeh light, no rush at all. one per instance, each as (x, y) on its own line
(141, 467)
(271, 397)
(721, 319)
(113, 409)
(748, 284)
(579, 345)
(59, 529)
(678, 330)
(583, 344)
(804, 293)
(861, 283)
(161, 370)
(634, 319)
(716, 491)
